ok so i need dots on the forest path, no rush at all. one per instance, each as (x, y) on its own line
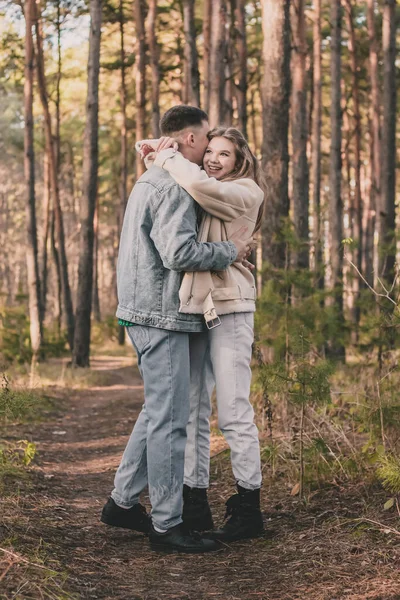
(311, 552)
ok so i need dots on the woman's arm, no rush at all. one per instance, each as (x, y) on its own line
(226, 200)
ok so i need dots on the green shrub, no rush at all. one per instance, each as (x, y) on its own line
(14, 404)
(389, 473)
(105, 331)
(15, 342)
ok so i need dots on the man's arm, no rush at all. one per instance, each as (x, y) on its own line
(226, 200)
(174, 235)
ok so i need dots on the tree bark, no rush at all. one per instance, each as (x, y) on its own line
(206, 52)
(254, 128)
(96, 297)
(227, 106)
(375, 148)
(81, 352)
(275, 94)
(59, 226)
(155, 115)
(335, 169)
(32, 262)
(45, 235)
(191, 92)
(387, 241)
(57, 140)
(140, 79)
(241, 47)
(356, 199)
(154, 63)
(316, 144)
(375, 143)
(299, 137)
(217, 62)
(56, 262)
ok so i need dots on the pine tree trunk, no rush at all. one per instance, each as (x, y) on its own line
(32, 263)
(154, 63)
(96, 297)
(369, 219)
(140, 79)
(335, 168)
(316, 144)
(191, 92)
(155, 121)
(254, 129)
(206, 52)
(387, 241)
(375, 146)
(227, 106)
(217, 62)
(275, 94)
(356, 209)
(57, 140)
(45, 234)
(241, 47)
(56, 260)
(81, 352)
(59, 226)
(299, 137)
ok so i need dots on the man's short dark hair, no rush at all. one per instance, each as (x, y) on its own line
(181, 116)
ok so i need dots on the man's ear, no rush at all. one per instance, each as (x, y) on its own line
(190, 139)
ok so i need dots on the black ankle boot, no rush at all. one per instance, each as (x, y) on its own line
(178, 539)
(134, 518)
(196, 510)
(245, 518)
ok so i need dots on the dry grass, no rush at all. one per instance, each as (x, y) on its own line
(339, 543)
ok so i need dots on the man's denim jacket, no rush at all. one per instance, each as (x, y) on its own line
(158, 243)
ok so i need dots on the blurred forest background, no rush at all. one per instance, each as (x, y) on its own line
(313, 86)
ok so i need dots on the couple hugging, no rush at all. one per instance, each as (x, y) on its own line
(186, 296)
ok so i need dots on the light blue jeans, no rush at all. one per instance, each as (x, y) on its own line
(221, 358)
(154, 455)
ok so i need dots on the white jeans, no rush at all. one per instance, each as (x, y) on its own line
(221, 358)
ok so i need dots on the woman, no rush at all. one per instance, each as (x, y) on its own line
(228, 191)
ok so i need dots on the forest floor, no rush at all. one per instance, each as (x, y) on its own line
(340, 544)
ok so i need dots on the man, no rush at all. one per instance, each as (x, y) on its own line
(158, 242)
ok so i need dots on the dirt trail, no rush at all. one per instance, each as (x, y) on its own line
(308, 552)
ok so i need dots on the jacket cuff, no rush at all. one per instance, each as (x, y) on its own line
(233, 251)
(149, 160)
(163, 156)
(138, 145)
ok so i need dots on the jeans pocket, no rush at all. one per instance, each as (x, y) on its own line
(139, 336)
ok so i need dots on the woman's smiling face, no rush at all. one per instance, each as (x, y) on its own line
(220, 158)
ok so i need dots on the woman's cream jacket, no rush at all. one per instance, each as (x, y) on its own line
(228, 206)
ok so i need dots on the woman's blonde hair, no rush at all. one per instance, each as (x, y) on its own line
(246, 165)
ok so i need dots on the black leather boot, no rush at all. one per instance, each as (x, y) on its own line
(245, 518)
(179, 539)
(134, 518)
(196, 510)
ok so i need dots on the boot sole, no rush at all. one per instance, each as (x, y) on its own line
(250, 536)
(111, 524)
(179, 550)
